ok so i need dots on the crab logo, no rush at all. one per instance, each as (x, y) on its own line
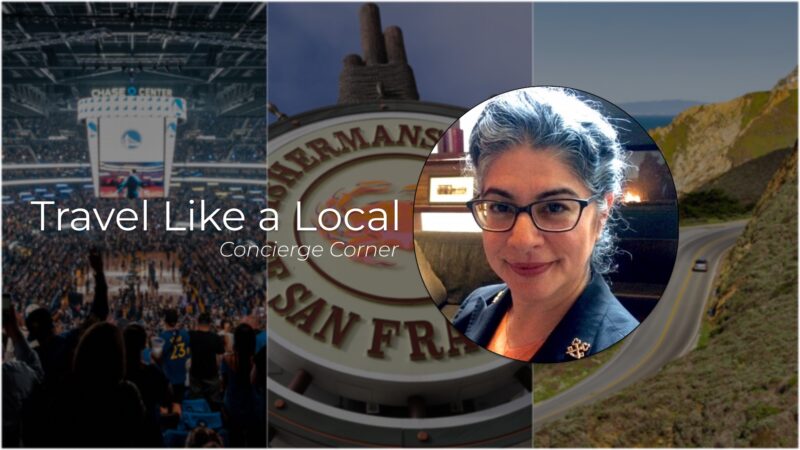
(92, 128)
(344, 200)
(131, 139)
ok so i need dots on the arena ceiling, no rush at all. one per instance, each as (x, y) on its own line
(53, 53)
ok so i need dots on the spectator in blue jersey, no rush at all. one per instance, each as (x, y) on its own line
(175, 353)
(132, 183)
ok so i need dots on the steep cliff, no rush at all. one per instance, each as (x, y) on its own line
(705, 141)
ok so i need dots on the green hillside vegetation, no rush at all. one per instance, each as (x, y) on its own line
(732, 195)
(765, 131)
(678, 135)
(754, 103)
(707, 140)
(768, 122)
(711, 204)
(746, 183)
(551, 379)
(739, 389)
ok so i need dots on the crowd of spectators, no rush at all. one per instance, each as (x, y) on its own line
(44, 151)
(111, 370)
(221, 172)
(63, 123)
(207, 123)
(58, 138)
(248, 153)
(18, 154)
(204, 137)
(41, 174)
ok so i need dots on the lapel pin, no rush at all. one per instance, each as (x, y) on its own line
(578, 348)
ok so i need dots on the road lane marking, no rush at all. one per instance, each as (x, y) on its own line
(594, 394)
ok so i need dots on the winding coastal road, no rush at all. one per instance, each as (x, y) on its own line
(669, 332)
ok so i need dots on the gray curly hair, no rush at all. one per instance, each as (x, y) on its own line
(555, 118)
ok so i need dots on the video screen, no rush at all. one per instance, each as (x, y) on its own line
(132, 156)
(115, 179)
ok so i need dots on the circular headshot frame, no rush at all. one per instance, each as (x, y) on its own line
(450, 252)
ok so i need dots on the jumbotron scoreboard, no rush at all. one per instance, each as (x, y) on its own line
(131, 129)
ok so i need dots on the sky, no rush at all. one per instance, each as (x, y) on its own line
(461, 54)
(628, 52)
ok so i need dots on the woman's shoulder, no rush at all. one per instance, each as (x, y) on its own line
(617, 322)
(478, 300)
(609, 318)
(478, 314)
(594, 323)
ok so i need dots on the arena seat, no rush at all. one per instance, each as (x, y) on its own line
(191, 420)
(198, 405)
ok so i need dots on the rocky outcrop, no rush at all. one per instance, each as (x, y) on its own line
(708, 140)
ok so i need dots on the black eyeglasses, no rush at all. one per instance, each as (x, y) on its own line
(552, 215)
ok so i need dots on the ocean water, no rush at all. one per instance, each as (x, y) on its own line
(650, 122)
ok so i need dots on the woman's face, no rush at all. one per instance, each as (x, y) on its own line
(539, 266)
